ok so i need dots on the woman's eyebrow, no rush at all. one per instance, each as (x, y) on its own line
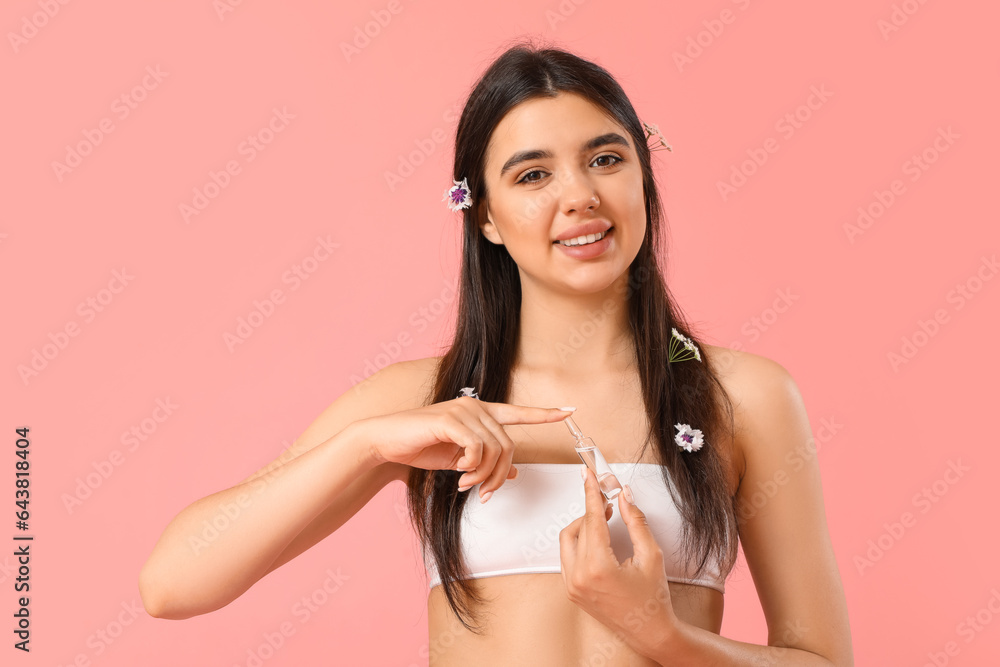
(536, 154)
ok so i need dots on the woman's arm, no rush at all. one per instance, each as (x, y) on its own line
(220, 545)
(784, 534)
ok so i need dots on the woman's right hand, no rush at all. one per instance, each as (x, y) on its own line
(464, 433)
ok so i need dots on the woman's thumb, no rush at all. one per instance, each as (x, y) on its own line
(643, 543)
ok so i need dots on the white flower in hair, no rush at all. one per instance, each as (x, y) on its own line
(675, 353)
(687, 438)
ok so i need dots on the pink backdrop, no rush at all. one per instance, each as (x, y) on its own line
(168, 169)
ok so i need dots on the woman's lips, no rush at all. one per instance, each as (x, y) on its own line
(589, 250)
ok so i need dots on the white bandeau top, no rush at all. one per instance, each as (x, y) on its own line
(517, 530)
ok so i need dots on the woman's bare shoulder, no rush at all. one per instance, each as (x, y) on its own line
(407, 382)
(403, 385)
(782, 522)
(399, 386)
(764, 394)
(756, 385)
(744, 374)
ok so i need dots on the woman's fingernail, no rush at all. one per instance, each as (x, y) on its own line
(568, 409)
(628, 495)
(465, 488)
(583, 473)
(486, 496)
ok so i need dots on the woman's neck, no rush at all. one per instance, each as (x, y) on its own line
(572, 334)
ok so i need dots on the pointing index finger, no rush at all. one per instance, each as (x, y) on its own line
(505, 413)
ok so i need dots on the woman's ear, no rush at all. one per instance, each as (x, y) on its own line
(490, 230)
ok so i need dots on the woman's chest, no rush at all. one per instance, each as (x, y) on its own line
(611, 412)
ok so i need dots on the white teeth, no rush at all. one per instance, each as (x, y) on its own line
(583, 240)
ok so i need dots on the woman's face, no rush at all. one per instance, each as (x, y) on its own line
(558, 168)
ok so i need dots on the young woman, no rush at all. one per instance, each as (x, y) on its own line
(562, 302)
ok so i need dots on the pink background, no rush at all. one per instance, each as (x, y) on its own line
(892, 430)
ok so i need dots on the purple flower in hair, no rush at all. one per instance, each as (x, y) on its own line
(459, 196)
(687, 438)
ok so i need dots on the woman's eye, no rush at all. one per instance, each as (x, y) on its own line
(611, 161)
(610, 157)
(526, 179)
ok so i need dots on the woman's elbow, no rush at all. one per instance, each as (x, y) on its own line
(150, 593)
(160, 599)
(164, 596)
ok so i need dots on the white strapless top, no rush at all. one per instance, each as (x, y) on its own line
(517, 531)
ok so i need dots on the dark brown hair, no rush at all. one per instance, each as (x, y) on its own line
(488, 325)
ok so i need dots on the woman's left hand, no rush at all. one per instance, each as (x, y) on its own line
(631, 598)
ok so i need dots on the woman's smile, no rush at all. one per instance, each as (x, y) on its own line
(592, 246)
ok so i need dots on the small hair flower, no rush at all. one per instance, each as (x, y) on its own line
(689, 351)
(687, 438)
(459, 196)
(658, 143)
(468, 391)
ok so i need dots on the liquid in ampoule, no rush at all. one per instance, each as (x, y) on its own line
(588, 452)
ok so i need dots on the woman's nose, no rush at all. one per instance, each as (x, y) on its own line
(579, 194)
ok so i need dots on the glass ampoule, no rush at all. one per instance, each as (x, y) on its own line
(592, 457)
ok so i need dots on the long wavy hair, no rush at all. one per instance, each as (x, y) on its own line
(483, 351)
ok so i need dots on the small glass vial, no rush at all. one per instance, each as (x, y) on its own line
(592, 457)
